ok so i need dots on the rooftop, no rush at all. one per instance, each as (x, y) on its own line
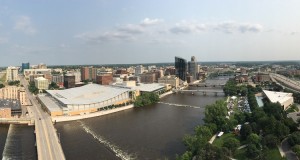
(275, 97)
(13, 104)
(148, 87)
(88, 94)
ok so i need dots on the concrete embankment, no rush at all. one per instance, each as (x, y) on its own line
(96, 114)
(165, 94)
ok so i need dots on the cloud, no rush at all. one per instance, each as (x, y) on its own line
(3, 40)
(127, 32)
(149, 22)
(233, 27)
(188, 27)
(185, 27)
(24, 24)
(99, 37)
(132, 29)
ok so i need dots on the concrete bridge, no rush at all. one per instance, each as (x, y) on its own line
(28, 121)
(203, 91)
(47, 141)
(208, 85)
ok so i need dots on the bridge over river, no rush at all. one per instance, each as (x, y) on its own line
(203, 91)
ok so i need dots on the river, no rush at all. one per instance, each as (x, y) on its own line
(150, 132)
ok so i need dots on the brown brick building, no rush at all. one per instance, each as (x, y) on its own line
(147, 77)
(88, 73)
(105, 79)
(69, 81)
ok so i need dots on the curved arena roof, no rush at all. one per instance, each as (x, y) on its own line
(88, 94)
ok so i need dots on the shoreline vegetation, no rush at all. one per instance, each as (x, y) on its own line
(260, 134)
(146, 99)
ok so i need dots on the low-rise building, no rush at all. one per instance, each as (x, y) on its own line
(285, 99)
(147, 77)
(172, 80)
(10, 108)
(105, 79)
(12, 74)
(41, 83)
(83, 100)
(69, 81)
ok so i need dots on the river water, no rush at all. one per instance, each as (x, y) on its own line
(150, 132)
(17, 142)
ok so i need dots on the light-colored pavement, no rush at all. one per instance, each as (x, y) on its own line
(286, 148)
(294, 85)
(48, 146)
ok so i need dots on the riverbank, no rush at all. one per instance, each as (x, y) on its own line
(90, 115)
(165, 94)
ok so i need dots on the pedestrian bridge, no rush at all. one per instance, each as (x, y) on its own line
(203, 91)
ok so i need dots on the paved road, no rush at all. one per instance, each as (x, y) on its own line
(48, 145)
(294, 85)
(286, 148)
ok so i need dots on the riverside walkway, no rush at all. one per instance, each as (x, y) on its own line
(48, 144)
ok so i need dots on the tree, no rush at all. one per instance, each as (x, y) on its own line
(252, 151)
(53, 85)
(296, 149)
(294, 138)
(216, 113)
(254, 139)
(146, 99)
(209, 152)
(281, 130)
(2, 85)
(230, 88)
(203, 132)
(232, 144)
(245, 131)
(240, 117)
(186, 156)
(271, 141)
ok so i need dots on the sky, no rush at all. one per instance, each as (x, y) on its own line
(66, 32)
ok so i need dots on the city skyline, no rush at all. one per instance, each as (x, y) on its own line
(133, 32)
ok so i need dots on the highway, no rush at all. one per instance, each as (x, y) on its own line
(48, 146)
(286, 82)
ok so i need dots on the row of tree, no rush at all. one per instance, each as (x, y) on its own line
(14, 83)
(261, 130)
(146, 99)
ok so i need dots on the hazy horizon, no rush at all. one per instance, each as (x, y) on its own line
(132, 32)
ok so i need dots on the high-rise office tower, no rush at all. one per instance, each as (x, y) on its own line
(181, 68)
(25, 66)
(193, 67)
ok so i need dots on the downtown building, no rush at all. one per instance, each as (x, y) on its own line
(104, 79)
(193, 68)
(25, 66)
(88, 74)
(181, 68)
(12, 74)
(69, 81)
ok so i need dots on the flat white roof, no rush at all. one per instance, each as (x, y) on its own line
(88, 94)
(50, 104)
(148, 87)
(280, 97)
